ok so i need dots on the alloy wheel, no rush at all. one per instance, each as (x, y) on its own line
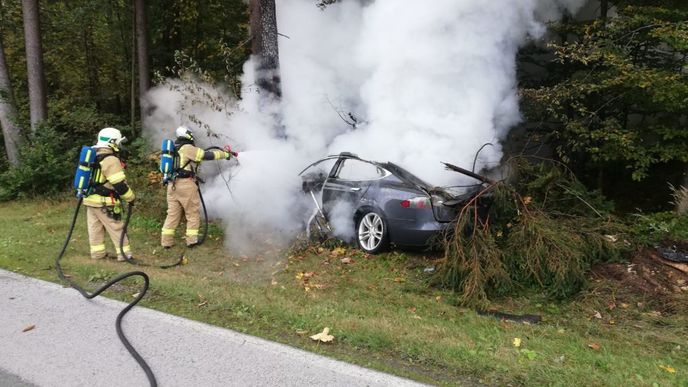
(371, 230)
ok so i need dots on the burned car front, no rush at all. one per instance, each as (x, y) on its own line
(383, 203)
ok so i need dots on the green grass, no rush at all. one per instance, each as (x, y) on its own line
(379, 308)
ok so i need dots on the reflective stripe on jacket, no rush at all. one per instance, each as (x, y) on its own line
(110, 172)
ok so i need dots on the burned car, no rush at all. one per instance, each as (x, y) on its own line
(384, 203)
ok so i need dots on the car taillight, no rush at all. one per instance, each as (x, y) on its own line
(419, 202)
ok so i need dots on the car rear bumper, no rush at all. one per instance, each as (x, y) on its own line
(407, 232)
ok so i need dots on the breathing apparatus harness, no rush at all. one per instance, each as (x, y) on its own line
(83, 185)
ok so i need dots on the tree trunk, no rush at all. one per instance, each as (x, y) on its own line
(92, 65)
(34, 62)
(265, 48)
(171, 40)
(604, 9)
(142, 47)
(132, 95)
(8, 114)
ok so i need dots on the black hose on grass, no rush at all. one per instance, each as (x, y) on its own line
(120, 316)
(182, 256)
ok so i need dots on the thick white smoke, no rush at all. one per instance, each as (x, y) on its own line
(425, 81)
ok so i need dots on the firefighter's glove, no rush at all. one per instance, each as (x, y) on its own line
(229, 152)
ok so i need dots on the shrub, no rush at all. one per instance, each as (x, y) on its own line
(543, 231)
(47, 165)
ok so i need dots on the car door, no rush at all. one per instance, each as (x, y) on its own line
(349, 181)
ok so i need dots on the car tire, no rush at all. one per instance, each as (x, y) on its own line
(372, 234)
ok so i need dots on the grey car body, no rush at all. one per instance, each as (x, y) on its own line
(402, 209)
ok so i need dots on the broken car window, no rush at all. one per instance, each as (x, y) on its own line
(352, 169)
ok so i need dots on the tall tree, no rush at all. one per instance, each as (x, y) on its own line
(265, 48)
(142, 47)
(8, 114)
(34, 62)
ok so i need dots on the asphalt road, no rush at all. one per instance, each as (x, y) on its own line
(74, 343)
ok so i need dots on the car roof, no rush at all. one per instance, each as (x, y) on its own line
(396, 170)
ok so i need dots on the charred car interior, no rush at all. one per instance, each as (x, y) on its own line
(386, 204)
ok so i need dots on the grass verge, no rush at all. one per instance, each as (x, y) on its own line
(379, 308)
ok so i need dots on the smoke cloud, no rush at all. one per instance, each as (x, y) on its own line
(405, 81)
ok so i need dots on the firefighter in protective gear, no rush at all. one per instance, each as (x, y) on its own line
(109, 187)
(183, 198)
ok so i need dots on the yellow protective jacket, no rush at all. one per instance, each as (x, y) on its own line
(109, 181)
(190, 156)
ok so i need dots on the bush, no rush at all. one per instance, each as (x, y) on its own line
(47, 165)
(543, 231)
(650, 229)
(81, 123)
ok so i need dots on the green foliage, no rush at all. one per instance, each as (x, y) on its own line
(618, 92)
(48, 163)
(201, 30)
(650, 229)
(544, 231)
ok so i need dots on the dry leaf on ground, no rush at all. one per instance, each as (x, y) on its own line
(338, 251)
(668, 369)
(594, 346)
(323, 336)
(516, 342)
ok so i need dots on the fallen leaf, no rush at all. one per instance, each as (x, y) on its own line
(438, 298)
(204, 303)
(399, 279)
(624, 306)
(611, 238)
(323, 336)
(594, 346)
(597, 315)
(346, 260)
(301, 332)
(273, 282)
(516, 342)
(338, 251)
(668, 369)
(135, 295)
(28, 328)
(527, 200)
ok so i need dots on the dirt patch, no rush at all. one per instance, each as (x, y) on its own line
(648, 275)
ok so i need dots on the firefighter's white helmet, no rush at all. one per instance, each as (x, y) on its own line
(110, 137)
(184, 132)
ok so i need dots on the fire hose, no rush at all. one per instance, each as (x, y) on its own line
(146, 279)
(108, 284)
(182, 256)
